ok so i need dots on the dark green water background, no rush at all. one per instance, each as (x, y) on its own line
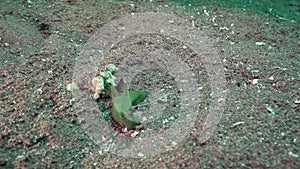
(282, 9)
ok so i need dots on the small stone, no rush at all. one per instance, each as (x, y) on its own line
(72, 86)
(171, 21)
(174, 143)
(165, 121)
(135, 133)
(140, 154)
(260, 43)
(254, 81)
(125, 130)
(144, 119)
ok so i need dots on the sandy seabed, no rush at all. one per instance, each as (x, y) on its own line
(40, 42)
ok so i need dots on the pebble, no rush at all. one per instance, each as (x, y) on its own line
(140, 154)
(260, 43)
(165, 121)
(135, 133)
